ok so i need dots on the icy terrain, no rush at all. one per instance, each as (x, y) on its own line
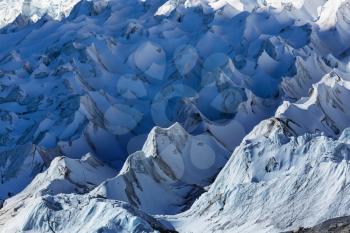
(171, 162)
(34, 9)
(50, 203)
(275, 182)
(180, 115)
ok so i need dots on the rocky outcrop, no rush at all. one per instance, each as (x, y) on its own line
(336, 225)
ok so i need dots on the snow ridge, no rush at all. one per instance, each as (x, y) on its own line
(265, 184)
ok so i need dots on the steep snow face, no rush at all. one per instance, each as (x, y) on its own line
(326, 110)
(18, 166)
(46, 206)
(73, 213)
(331, 13)
(34, 9)
(39, 206)
(69, 175)
(249, 114)
(275, 182)
(310, 70)
(63, 176)
(172, 164)
(334, 25)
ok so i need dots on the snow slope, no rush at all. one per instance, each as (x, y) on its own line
(326, 110)
(51, 203)
(172, 163)
(73, 213)
(275, 182)
(64, 175)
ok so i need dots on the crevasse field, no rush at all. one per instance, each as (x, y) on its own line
(188, 116)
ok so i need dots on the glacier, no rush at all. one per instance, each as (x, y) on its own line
(174, 116)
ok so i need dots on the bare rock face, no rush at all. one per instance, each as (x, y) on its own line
(336, 225)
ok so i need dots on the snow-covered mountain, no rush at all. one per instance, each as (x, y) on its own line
(51, 203)
(275, 182)
(63, 176)
(210, 115)
(173, 163)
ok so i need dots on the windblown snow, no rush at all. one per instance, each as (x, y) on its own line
(174, 116)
